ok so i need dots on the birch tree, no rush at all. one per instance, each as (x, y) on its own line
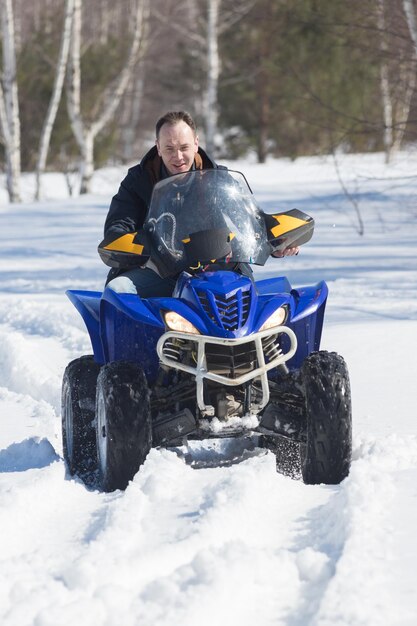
(396, 94)
(56, 95)
(134, 114)
(410, 14)
(85, 132)
(216, 28)
(384, 81)
(216, 21)
(213, 72)
(9, 103)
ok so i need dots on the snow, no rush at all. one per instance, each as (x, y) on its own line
(234, 543)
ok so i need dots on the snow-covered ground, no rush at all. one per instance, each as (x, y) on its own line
(231, 545)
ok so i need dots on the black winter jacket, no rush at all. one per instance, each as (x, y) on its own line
(128, 208)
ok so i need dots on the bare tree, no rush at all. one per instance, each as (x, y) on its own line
(56, 95)
(397, 79)
(410, 13)
(86, 133)
(133, 113)
(9, 103)
(213, 71)
(384, 80)
(215, 28)
(216, 21)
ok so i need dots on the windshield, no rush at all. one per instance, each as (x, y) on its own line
(190, 215)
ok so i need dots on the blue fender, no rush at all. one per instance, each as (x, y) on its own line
(123, 326)
(307, 320)
(129, 330)
(87, 304)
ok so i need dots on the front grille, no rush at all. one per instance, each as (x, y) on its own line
(227, 313)
(231, 361)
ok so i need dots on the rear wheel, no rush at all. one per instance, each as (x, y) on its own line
(78, 406)
(123, 423)
(326, 456)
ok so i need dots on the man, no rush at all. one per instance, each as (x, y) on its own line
(176, 151)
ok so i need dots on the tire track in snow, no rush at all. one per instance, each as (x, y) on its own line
(186, 541)
(183, 545)
(359, 526)
(45, 522)
(44, 519)
(174, 546)
(38, 336)
(32, 366)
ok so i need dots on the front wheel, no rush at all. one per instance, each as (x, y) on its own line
(123, 423)
(326, 456)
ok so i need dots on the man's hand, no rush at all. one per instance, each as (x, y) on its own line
(287, 252)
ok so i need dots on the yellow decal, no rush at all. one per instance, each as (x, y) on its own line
(286, 223)
(187, 240)
(125, 244)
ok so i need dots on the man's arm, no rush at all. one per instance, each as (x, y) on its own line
(122, 246)
(127, 210)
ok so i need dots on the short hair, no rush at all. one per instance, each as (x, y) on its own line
(172, 118)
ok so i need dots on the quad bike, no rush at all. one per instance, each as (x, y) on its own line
(225, 357)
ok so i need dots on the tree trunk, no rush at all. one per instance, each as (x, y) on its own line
(74, 77)
(85, 135)
(409, 79)
(88, 161)
(263, 96)
(411, 21)
(213, 71)
(9, 104)
(263, 118)
(56, 96)
(134, 111)
(387, 107)
(404, 108)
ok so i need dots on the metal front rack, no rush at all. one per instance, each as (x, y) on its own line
(201, 372)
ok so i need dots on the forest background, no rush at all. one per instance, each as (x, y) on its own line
(83, 81)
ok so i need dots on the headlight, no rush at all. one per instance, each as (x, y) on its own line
(277, 318)
(177, 322)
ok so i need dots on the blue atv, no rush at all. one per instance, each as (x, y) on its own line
(224, 357)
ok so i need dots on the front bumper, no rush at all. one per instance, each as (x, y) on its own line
(263, 360)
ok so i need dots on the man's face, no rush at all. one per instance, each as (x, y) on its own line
(177, 146)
